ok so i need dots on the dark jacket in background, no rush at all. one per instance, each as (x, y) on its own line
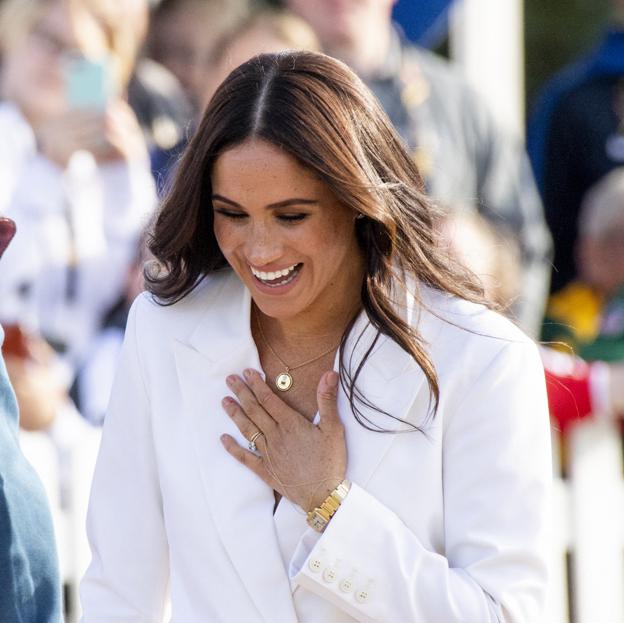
(576, 136)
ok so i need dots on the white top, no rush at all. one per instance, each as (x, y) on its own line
(449, 525)
(103, 207)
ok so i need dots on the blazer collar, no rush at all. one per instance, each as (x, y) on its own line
(242, 504)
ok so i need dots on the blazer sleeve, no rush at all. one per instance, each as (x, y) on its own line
(127, 579)
(496, 493)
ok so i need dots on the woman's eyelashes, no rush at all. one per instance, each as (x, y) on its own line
(233, 214)
(290, 217)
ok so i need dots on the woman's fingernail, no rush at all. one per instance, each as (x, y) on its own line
(332, 380)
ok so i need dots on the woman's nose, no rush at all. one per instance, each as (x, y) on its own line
(263, 246)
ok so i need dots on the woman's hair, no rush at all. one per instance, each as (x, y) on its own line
(17, 18)
(317, 110)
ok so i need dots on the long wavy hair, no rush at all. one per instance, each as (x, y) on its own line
(317, 110)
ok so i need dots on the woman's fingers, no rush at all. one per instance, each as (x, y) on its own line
(248, 459)
(245, 425)
(257, 399)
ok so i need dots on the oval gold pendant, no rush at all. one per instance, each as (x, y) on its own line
(283, 381)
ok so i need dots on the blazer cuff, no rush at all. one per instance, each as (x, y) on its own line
(322, 562)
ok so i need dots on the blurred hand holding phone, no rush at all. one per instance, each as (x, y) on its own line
(88, 83)
(98, 120)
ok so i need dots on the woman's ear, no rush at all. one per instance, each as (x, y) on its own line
(7, 231)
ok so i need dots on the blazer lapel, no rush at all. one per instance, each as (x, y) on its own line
(241, 503)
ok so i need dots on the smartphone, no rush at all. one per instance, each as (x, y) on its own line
(87, 83)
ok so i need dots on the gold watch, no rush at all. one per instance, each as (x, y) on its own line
(319, 517)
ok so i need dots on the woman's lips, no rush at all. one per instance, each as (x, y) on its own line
(276, 279)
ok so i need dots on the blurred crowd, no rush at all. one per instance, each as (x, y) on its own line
(98, 99)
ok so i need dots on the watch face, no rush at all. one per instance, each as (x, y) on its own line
(317, 522)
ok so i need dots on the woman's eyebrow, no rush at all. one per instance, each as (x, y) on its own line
(279, 204)
(294, 201)
(226, 200)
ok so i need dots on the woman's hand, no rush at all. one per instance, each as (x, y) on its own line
(301, 461)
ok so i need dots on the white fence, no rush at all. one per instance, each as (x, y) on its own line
(587, 536)
(588, 528)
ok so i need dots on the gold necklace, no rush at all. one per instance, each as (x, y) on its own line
(284, 380)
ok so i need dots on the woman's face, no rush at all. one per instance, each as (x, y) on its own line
(284, 233)
(33, 64)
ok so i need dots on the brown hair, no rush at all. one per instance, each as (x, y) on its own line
(316, 109)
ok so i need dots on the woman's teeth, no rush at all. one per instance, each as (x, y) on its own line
(278, 277)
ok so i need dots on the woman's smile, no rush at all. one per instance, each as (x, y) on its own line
(277, 278)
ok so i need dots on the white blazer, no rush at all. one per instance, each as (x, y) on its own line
(443, 526)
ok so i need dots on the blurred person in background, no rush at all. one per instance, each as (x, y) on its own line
(163, 110)
(76, 180)
(465, 157)
(577, 389)
(182, 37)
(94, 379)
(588, 313)
(576, 136)
(29, 576)
(263, 30)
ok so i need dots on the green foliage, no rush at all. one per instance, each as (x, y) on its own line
(557, 32)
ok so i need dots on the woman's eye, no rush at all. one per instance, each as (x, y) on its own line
(292, 218)
(231, 214)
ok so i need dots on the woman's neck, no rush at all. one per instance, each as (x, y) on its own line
(308, 329)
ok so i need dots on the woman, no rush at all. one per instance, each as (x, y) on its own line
(74, 167)
(409, 483)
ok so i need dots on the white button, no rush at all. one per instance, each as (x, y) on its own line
(329, 575)
(315, 565)
(361, 596)
(346, 585)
